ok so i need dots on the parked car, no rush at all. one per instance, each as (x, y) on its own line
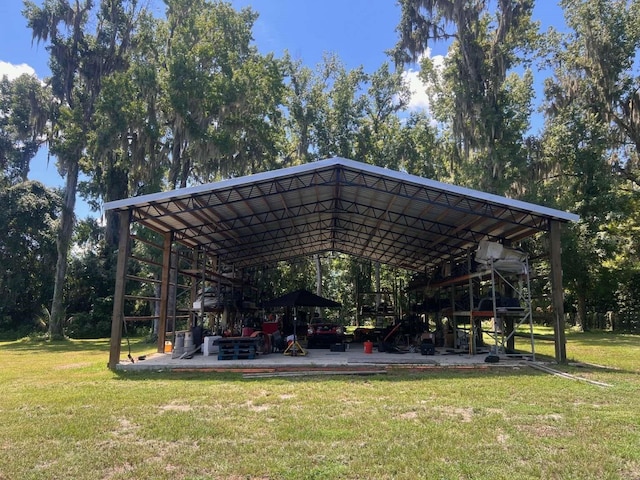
(323, 333)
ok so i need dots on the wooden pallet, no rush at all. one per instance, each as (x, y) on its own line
(240, 356)
(237, 348)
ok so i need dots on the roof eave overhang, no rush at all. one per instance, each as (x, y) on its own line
(337, 205)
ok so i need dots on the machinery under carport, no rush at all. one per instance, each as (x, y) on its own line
(333, 205)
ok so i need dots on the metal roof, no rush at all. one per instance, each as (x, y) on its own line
(337, 205)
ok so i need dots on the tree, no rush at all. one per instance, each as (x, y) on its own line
(340, 109)
(593, 133)
(379, 139)
(473, 93)
(124, 152)
(252, 127)
(89, 289)
(79, 62)
(27, 253)
(576, 139)
(25, 108)
(302, 102)
(420, 150)
(207, 71)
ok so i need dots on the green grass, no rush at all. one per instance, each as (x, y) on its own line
(64, 415)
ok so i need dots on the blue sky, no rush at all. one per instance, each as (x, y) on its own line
(358, 31)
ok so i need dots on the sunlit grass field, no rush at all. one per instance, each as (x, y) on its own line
(64, 415)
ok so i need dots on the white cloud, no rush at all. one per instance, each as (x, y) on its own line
(419, 97)
(14, 71)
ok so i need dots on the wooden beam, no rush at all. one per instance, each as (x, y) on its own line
(557, 293)
(117, 318)
(164, 291)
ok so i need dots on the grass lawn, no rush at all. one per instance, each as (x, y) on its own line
(64, 415)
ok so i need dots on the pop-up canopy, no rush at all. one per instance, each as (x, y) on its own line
(301, 298)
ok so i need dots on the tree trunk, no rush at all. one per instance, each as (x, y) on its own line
(581, 317)
(65, 232)
(156, 309)
(378, 295)
(318, 280)
(117, 189)
(318, 275)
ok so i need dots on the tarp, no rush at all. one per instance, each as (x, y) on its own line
(301, 298)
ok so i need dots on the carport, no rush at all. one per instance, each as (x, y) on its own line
(332, 205)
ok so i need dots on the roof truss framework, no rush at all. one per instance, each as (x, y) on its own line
(337, 205)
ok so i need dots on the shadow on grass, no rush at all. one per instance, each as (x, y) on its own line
(68, 345)
(391, 377)
(604, 339)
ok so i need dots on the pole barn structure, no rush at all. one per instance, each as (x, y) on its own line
(333, 205)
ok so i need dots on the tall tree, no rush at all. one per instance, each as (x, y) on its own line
(124, 150)
(473, 95)
(25, 108)
(379, 136)
(27, 253)
(593, 135)
(79, 62)
(251, 128)
(206, 46)
(302, 101)
(324, 108)
(340, 110)
(420, 150)
(576, 139)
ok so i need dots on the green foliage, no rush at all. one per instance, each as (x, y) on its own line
(91, 276)
(88, 296)
(339, 110)
(628, 294)
(220, 97)
(24, 111)
(79, 61)
(27, 252)
(588, 157)
(476, 93)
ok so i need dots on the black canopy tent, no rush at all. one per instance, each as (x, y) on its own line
(299, 298)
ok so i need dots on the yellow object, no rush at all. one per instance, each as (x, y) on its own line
(294, 349)
(168, 347)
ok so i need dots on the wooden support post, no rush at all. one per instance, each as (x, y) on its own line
(508, 323)
(473, 331)
(164, 290)
(118, 296)
(557, 294)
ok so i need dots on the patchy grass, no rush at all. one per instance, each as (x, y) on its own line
(64, 415)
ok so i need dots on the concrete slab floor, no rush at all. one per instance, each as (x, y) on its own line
(354, 359)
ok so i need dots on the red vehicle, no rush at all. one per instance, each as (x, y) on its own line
(322, 333)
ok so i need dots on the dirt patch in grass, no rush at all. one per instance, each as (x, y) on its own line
(455, 413)
(176, 407)
(71, 366)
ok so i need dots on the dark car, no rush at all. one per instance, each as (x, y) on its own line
(322, 333)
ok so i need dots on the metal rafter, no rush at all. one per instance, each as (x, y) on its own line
(337, 205)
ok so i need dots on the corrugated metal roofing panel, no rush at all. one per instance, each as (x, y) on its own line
(337, 205)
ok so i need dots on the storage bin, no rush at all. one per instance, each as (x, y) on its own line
(210, 345)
